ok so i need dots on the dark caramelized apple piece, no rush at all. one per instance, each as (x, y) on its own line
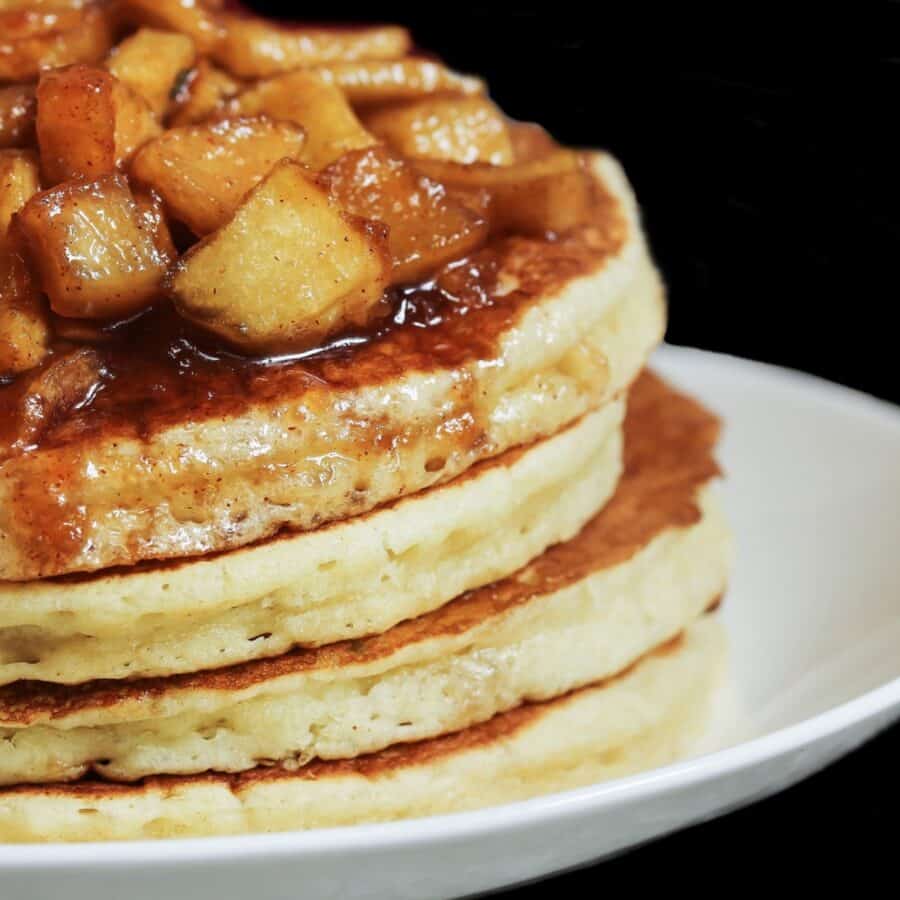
(428, 227)
(17, 111)
(24, 331)
(51, 392)
(32, 40)
(88, 122)
(553, 193)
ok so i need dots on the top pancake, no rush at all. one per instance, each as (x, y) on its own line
(188, 458)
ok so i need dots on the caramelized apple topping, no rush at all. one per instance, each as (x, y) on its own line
(46, 395)
(428, 228)
(276, 185)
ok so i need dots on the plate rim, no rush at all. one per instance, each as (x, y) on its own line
(543, 810)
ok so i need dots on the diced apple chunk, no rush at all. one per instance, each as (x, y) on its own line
(553, 193)
(150, 62)
(302, 97)
(204, 91)
(17, 111)
(47, 395)
(153, 220)
(456, 129)
(24, 331)
(94, 250)
(19, 180)
(256, 48)
(32, 40)
(202, 172)
(88, 122)
(288, 270)
(374, 81)
(428, 228)
(194, 18)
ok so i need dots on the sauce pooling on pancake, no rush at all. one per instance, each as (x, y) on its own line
(158, 369)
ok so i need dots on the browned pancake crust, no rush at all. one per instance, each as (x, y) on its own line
(669, 444)
(372, 765)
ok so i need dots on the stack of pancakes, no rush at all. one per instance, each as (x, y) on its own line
(454, 566)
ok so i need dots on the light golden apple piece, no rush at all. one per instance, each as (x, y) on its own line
(374, 81)
(194, 18)
(290, 269)
(150, 63)
(202, 172)
(456, 129)
(428, 228)
(24, 330)
(17, 111)
(553, 193)
(35, 39)
(96, 254)
(88, 123)
(19, 180)
(257, 48)
(201, 93)
(302, 97)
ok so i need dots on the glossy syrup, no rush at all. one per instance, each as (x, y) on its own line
(157, 369)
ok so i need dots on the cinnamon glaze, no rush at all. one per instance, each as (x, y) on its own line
(157, 370)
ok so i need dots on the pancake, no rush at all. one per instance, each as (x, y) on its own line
(353, 578)
(177, 456)
(638, 573)
(645, 717)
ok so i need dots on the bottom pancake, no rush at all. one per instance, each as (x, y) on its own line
(645, 717)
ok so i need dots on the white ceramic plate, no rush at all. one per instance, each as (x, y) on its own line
(813, 491)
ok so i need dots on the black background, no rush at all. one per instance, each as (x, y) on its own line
(762, 142)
